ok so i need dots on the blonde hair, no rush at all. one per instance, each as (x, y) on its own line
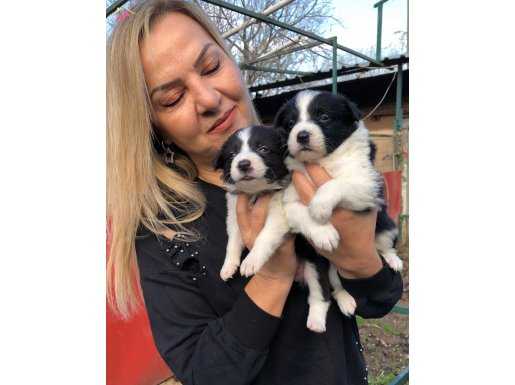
(141, 189)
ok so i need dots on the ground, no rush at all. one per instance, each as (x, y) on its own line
(385, 340)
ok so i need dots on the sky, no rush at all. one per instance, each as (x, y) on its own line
(359, 18)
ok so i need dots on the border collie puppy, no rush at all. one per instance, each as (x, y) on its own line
(252, 161)
(327, 129)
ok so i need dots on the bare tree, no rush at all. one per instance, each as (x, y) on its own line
(259, 39)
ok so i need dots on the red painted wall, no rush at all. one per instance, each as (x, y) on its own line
(132, 358)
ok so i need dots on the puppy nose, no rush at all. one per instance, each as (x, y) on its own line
(244, 165)
(303, 137)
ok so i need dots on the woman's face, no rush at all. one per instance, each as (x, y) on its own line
(196, 90)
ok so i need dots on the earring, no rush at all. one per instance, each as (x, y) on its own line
(168, 155)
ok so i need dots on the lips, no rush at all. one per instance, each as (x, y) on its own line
(223, 123)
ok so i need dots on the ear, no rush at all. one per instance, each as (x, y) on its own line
(219, 162)
(351, 112)
(355, 111)
(283, 138)
(278, 120)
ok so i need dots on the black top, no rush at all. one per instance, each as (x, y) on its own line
(210, 332)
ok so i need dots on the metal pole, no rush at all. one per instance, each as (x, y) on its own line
(274, 70)
(284, 51)
(267, 11)
(379, 31)
(379, 6)
(113, 7)
(278, 23)
(279, 50)
(335, 65)
(398, 116)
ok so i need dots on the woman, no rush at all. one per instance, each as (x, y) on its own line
(174, 96)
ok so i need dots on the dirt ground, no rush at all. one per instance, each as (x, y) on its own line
(385, 341)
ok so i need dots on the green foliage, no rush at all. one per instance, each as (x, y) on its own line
(382, 379)
(388, 328)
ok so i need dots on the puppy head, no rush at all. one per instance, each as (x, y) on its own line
(317, 123)
(252, 160)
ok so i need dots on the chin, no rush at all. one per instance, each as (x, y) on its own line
(308, 156)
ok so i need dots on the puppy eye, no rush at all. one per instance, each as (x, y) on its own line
(232, 154)
(291, 123)
(324, 118)
(263, 150)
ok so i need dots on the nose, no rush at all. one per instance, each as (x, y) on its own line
(207, 97)
(303, 137)
(244, 165)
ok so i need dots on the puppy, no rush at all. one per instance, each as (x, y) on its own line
(252, 161)
(327, 129)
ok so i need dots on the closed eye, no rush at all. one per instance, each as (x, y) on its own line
(212, 69)
(172, 102)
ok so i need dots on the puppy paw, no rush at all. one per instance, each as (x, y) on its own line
(317, 317)
(251, 265)
(316, 325)
(320, 211)
(346, 302)
(325, 237)
(393, 261)
(228, 270)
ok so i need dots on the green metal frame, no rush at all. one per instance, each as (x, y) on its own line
(113, 7)
(400, 310)
(286, 51)
(379, 6)
(335, 65)
(401, 378)
(398, 117)
(274, 70)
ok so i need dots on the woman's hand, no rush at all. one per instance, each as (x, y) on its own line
(251, 219)
(356, 255)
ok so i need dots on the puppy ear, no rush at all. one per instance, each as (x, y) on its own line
(218, 164)
(283, 139)
(351, 112)
(355, 111)
(279, 117)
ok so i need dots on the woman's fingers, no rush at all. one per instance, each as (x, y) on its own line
(305, 188)
(318, 174)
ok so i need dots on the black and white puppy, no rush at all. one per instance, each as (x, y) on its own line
(327, 129)
(252, 161)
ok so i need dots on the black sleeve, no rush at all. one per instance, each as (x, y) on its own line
(377, 295)
(198, 345)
